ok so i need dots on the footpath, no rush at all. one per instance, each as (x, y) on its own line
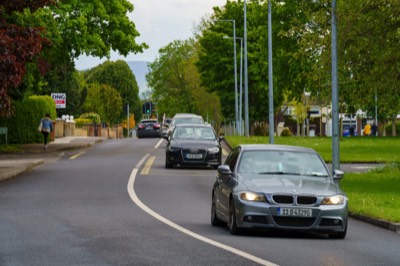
(15, 163)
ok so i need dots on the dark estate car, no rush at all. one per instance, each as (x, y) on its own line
(193, 144)
(148, 128)
(278, 187)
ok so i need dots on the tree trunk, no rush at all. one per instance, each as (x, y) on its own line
(394, 127)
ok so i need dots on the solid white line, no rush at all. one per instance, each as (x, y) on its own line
(140, 204)
(158, 144)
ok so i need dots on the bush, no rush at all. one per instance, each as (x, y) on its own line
(93, 117)
(80, 122)
(23, 123)
(286, 132)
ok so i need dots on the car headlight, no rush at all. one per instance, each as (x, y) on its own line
(333, 200)
(213, 150)
(251, 196)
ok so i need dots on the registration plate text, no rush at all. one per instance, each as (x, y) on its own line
(194, 156)
(294, 212)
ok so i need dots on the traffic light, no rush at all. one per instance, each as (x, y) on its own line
(148, 107)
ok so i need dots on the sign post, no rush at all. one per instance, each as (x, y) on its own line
(4, 130)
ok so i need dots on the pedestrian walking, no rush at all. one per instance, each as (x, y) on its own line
(374, 129)
(367, 130)
(45, 127)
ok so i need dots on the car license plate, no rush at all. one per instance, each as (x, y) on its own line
(194, 156)
(294, 212)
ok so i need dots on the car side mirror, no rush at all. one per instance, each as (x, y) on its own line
(338, 174)
(221, 137)
(224, 169)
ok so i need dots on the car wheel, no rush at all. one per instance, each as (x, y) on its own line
(215, 221)
(340, 235)
(232, 223)
(168, 165)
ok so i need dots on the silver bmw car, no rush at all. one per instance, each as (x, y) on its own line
(278, 187)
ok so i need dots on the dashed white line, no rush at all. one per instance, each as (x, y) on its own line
(140, 204)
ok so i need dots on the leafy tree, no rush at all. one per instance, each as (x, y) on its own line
(175, 82)
(118, 75)
(105, 101)
(20, 45)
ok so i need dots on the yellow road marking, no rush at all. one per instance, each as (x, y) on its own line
(73, 157)
(147, 166)
(224, 152)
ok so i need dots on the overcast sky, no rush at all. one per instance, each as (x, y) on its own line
(160, 22)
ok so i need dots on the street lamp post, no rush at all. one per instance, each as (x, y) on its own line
(235, 69)
(246, 79)
(270, 77)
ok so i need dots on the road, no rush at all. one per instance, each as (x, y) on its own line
(116, 204)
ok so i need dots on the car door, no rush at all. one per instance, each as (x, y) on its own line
(226, 184)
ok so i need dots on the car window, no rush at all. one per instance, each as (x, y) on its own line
(198, 133)
(232, 158)
(281, 162)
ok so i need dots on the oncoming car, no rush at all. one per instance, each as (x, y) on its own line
(278, 187)
(183, 118)
(148, 128)
(194, 145)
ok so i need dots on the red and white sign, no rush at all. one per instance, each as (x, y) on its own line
(60, 99)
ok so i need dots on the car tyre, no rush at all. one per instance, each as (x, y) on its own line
(215, 221)
(168, 165)
(232, 223)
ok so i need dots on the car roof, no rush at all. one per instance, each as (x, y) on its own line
(250, 147)
(193, 125)
(148, 120)
(186, 115)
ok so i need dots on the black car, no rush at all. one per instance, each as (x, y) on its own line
(148, 128)
(194, 145)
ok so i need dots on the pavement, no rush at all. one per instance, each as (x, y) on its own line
(13, 164)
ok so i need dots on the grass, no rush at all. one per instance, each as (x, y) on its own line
(9, 148)
(374, 193)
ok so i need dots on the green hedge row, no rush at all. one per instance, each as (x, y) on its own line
(27, 114)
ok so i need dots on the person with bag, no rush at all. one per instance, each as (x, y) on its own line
(45, 127)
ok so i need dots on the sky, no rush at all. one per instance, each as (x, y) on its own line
(159, 22)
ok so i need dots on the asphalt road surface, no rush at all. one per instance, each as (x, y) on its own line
(116, 204)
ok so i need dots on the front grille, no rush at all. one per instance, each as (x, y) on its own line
(293, 221)
(306, 200)
(283, 199)
(185, 153)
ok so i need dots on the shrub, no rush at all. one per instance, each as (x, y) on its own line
(94, 117)
(286, 132)
(388, 129)
(79, 122)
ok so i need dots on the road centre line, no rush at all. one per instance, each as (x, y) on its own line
(140, 204)
(147, 166)
(158, 143)
(73, 157)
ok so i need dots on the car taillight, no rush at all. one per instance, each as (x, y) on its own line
(141, 126)
(156, 126)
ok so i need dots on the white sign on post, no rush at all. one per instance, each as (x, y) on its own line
(60, 99)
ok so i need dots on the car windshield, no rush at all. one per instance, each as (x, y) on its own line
(200, 133)
(272, 162)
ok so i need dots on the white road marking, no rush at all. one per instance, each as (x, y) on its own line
(140, 204)
(147, 166)
(158, 144)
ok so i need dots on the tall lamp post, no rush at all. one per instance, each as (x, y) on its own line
(335, 94)
(235, 69)
(246, 79)
(270, 77)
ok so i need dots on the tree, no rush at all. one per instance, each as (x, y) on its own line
(20, 45)
(175, 82)
(104, 100)
(119, 76)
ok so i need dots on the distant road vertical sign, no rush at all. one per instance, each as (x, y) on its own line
(60, 99)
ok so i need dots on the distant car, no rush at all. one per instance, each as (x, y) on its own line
(183, 118)
(148, 128)
(278, 187)
(194, 145)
